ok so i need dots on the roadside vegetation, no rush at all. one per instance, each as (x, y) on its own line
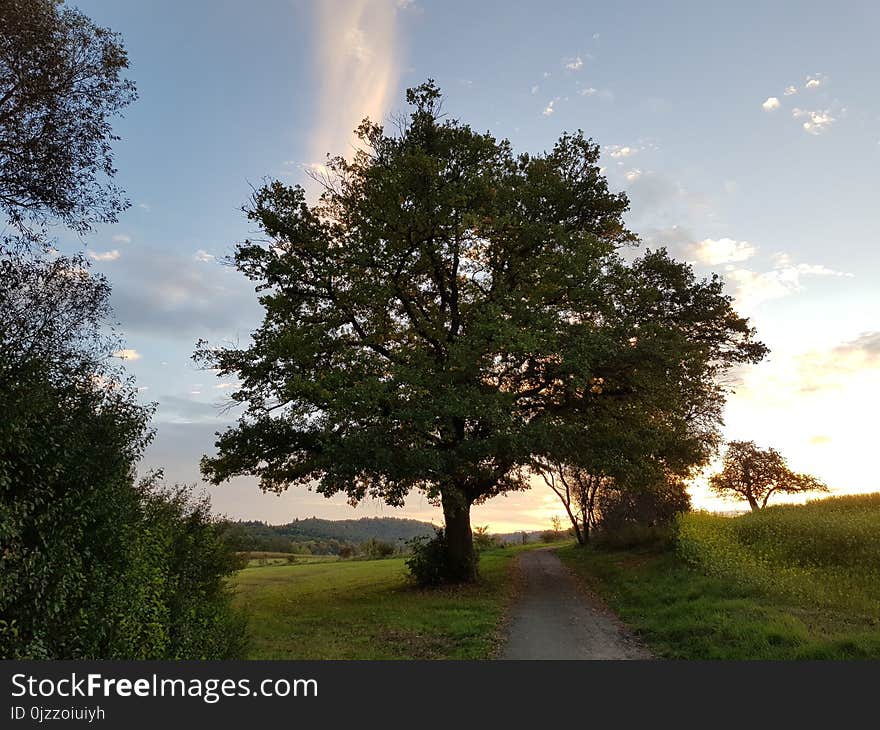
(786, 582)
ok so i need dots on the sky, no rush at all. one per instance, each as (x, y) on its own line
(747, 136)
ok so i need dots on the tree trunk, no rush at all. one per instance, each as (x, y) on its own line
(753, 503)
(461, 559)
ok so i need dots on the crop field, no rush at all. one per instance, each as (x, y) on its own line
(826, 552)
(367, 609)
(788, 582)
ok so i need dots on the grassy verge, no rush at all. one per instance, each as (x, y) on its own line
(366, 609)
(683, 613)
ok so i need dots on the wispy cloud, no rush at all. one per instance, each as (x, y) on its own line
(204, 256)
(358, 58)
(575, 63)
(549, 109)
(753, 288)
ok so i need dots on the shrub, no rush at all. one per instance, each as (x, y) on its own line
(630, 509)
(427, 563)
(483, 540)
(374, 548)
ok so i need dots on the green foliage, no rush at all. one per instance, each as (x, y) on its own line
(484, 541)
(428, 563)
(374, 549)
(648, 507)
(60, 84)
(94, 566)
(450, 310)
(683, 613)
(322, 537)
(826, 552)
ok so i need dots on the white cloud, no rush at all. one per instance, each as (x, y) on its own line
(633, 175)
(790, 90)
(575, 63)
(145, 206)
(549, 109)
(127, 354)
(588, 91)
(817, 120)
(104, 255)
(535, 89)
(225, 386)
(722, 251)
(815, 81)
(617, 151)
(204, 256)
(121, 238)
(754, 288)
(771, 104)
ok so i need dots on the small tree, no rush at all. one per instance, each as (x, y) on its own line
(755, 474)
(577, 489)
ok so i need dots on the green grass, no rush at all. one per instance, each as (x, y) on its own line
(366, 609)
(792, 582)
(260, 559)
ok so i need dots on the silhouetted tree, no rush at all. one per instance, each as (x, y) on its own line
(447, 312)
(756, 474)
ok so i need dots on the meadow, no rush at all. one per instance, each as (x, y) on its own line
(788, 582)
(368, 609)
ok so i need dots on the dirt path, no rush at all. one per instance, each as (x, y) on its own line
(554, 619)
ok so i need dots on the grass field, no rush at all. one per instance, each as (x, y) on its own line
(790, 582)
(366, 609)
(258, 558)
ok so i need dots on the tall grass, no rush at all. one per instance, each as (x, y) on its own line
(826, 552)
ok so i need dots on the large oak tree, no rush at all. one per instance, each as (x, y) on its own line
(448, 312)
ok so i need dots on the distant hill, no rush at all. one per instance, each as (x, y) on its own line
(317, 536)
(388, 529)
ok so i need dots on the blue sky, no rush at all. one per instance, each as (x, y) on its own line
(747, 136)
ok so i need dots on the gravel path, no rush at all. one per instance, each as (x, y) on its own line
(554, 618)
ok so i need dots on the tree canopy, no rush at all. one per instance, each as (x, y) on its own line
(448, 311)
(755, 474)
(60, 84)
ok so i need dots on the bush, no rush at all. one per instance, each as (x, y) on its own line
(483, 540)
(376, 549)
(641, 511)
(95, 565)
(427, 563)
